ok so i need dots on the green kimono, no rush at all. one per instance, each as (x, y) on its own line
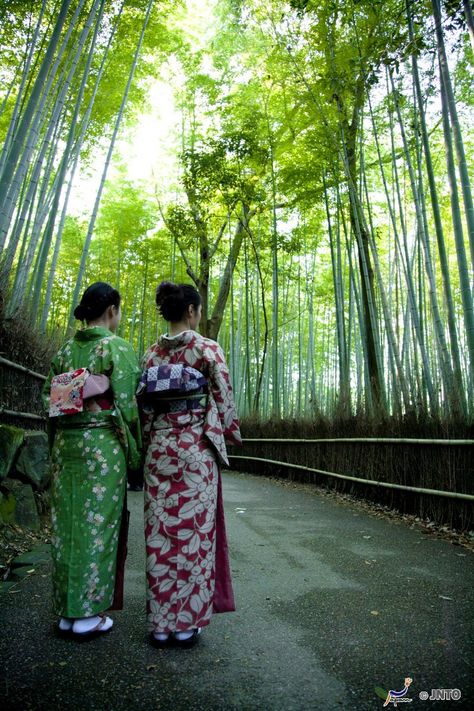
(90, 455)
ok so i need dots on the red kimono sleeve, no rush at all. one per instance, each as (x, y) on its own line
(221, 388)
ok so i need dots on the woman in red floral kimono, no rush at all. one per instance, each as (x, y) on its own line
(188, 572)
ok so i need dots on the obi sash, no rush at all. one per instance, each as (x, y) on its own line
(78, 390)
(172, 387)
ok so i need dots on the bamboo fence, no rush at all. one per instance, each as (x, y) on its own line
(20, 395)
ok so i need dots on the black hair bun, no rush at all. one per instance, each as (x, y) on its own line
(96, 298)
(167, 289)
(80, 312)
(173, 300)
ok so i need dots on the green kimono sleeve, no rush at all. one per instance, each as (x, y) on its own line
(124, 380)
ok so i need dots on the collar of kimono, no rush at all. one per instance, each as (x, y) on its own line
(180, 339)
(91, 334)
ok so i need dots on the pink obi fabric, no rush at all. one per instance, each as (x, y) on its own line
(70, 390)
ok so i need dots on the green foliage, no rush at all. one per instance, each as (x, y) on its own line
(273, 127)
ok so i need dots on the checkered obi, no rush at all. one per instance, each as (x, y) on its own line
(172, 387)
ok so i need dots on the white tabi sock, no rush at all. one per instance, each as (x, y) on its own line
(183, 636)
(87, 624)
(65, 624)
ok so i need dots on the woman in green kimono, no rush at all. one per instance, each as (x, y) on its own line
(91, 451)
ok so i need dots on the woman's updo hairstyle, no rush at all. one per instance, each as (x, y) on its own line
(95, 300)
(173, 300)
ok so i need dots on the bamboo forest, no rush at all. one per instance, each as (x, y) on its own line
(236, 354)
(307, 165)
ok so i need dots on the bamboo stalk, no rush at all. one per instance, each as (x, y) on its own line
(18, 162)
(20, 95)
(12, 159)
(443, 259)
(49, 230)
(469, 20)
(118, 121)
(455, 125)
(438, 325)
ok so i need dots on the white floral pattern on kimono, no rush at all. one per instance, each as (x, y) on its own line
(182, 490)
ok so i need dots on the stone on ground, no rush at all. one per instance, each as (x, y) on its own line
(10, 440)
(21, 505)
(40, 554)
(33, 460)
(7, 508)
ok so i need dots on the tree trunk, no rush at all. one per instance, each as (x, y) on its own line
(215, 321)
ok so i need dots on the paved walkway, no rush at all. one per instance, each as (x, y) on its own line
(332, 602)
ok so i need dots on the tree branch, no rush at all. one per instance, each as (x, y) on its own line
(189, 269)
(214, 247)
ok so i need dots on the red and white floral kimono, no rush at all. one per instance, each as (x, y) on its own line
(188, 573)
